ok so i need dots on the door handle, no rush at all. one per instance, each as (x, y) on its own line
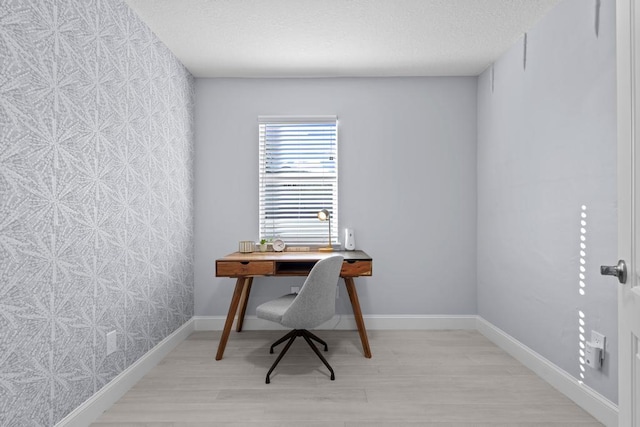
(619, 271)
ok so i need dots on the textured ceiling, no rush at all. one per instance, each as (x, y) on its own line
(327, 38)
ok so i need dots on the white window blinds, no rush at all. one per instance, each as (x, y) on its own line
(298, 177)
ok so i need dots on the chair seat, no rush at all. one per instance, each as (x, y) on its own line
(274, 310)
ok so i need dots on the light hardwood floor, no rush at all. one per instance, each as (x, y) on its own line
(415, 378)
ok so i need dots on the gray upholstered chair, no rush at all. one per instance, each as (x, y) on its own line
(312, 306)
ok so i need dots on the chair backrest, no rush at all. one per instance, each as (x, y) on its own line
(316, 301)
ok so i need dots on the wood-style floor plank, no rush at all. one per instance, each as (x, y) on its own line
(415, 378)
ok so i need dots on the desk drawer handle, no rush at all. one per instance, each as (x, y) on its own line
(244, 262)
(351, 261)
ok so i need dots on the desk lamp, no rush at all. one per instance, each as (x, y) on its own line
(324, 215)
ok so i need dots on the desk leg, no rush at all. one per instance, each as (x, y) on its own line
(242, 309)
(233, 307)
(357, 312)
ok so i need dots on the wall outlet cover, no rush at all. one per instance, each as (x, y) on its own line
(112, 342)
(598, 340)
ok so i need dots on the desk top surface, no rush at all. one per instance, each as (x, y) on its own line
(295, 256)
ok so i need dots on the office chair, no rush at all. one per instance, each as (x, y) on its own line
(312, 306)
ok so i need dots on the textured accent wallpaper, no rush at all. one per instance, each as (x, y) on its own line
(96, 206)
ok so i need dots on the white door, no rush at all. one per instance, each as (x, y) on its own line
(628, 51)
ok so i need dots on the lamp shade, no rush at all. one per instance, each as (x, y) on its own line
(323, 215)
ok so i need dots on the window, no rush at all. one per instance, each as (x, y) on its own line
(298, 178)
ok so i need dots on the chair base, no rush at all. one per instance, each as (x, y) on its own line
(291, 336)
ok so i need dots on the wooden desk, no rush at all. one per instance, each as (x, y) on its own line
(245, 266)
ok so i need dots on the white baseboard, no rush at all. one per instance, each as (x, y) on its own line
(588, 399)
(347, 322)
(591, 401)
(93, 407)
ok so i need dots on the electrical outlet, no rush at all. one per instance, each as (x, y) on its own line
(295, 289)
(598, 340)
(112, 342)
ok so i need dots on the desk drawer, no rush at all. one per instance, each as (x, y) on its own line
(243, 268)
(356, 268)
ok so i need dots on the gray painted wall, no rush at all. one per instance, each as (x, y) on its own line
(407, 171)
(546, 147)
(96, 148)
